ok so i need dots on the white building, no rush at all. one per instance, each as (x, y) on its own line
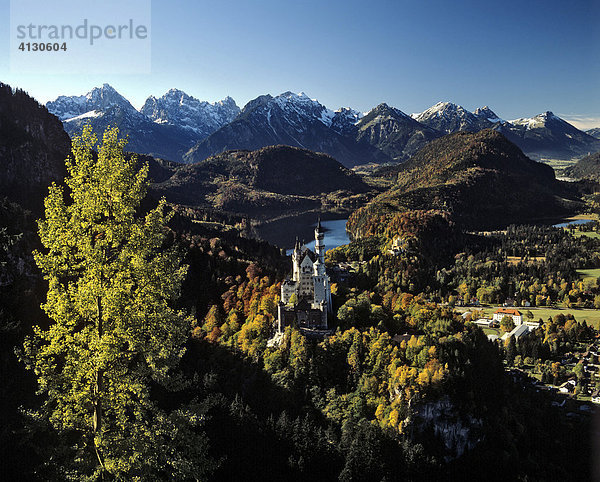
(514, 314)
(483, 322)
(310, 285)
(517, 332)
(568, 386)
(397, 246)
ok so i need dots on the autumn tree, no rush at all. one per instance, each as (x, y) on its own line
(115, 338)
(507, 324)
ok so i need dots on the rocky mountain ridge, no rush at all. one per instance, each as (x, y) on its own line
(182, 128)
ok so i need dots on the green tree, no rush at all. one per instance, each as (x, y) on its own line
(507, 324)
(115, 336)
(579, 371)
(293, 299)
(511, 350)
(518, 362)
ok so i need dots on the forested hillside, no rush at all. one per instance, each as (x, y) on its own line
(480, 179)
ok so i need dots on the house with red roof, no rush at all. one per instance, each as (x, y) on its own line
(502, 312)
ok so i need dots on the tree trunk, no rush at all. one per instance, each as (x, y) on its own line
(98, 382)
(97, 417)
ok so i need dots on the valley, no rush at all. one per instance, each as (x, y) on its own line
(443, 223)
(338, 241)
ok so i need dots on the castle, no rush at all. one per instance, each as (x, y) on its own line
(306, 297)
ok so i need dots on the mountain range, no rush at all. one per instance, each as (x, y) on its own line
(446, 174)
(34, 146)
(181, 128)
(166, 127)
(288, 119)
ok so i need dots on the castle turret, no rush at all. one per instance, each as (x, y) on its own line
(296, 261)
(320, 246)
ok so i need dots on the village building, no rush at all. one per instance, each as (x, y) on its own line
(567, 387)
(514, 314)
(516, 332)
(306, 296)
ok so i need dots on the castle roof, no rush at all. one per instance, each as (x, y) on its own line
(307, 252)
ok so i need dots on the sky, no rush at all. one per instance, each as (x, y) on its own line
(520, 58)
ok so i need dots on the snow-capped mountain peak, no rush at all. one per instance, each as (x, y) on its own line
(299, 108)
(448, 117)
(101, 98)
(441, 109)
(384, 110)
(540, 120)
(176, 107)
(349, 113)
(345, 119)
(488, 114)
(97, 99)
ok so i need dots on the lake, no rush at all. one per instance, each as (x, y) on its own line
(283, 233)
(573, 222)
(335, 235)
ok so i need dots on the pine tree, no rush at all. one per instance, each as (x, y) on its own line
(114, 337)
(511, 350)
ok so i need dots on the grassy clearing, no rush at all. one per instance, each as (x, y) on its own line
(589, 274)
(590, 216)
(587, 234)
(492, 331)
(558, 164)
(592, 317)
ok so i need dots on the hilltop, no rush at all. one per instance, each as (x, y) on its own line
(271, 180)
(481, 180)
(587, 167)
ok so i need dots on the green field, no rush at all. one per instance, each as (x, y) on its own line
(592, 317)
(588, 234)
(590, 216)
(576, 232)
(492, 331)
(558, 164)
(589, 273)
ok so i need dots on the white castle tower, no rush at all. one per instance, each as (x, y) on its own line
(310, 285)
(320, 249)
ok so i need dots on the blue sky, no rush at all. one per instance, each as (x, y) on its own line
(519, 57)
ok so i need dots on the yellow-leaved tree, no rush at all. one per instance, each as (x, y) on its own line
(115, 335)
